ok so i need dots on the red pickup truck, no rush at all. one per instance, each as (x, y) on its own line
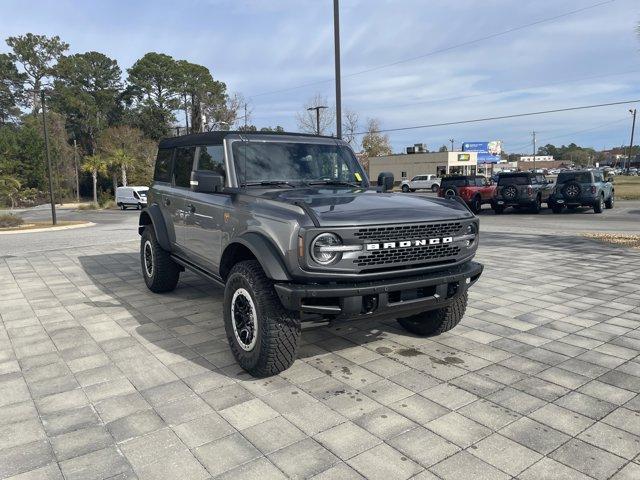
(473, 189)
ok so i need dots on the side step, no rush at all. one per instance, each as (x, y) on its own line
(200, 271)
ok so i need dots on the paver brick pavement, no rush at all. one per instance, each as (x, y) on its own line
(100, 378)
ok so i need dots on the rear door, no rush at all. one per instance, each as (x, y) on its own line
(182, 168)
(205, 218)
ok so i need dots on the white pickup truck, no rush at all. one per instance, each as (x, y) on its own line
(428, 182)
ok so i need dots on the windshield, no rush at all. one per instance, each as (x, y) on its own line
(454, 182)
(517, 180)
(580, 177)
(295, 163)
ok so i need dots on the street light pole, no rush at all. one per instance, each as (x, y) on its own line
(633, 128)
(54, 220)
(317, 109)
(336, 42)
(534, 152)
(451, 140)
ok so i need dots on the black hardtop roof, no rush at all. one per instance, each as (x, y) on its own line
(460, 177)
(216, 138)
(517, 174)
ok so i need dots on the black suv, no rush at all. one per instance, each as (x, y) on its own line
(521, 190)
(291, 228)
(577, 188)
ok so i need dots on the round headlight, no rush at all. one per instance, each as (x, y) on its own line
(471, 229)
(323, 249)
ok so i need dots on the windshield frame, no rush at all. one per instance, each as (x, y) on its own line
(231, 139)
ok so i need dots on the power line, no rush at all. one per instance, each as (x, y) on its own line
(502, 117)
(441, 50)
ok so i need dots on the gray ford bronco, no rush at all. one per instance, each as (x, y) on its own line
(521, 190)
(292, 229)
(576, 188)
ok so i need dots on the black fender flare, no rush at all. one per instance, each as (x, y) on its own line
(265, 252)
(152, 215)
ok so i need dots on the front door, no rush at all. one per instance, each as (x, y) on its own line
(205, 217)
(182, 167)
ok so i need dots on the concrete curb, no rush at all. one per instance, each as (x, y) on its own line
(47, 229)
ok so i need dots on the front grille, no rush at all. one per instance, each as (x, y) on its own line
(409, 254)
(408, 232)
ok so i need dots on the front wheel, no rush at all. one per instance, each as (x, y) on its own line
(435, 187)
(160, 272)
(610, 202)
(435, 322)
(405, 188)
(476, 205)
(263, 336)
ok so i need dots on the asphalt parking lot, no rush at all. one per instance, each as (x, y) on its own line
(99, 378)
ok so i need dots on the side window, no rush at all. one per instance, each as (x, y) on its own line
(211, 159)
(479, 182)
(597, 177)
(541, 179)
(183, 164)
(533, 180)
(403, 174)
(162, 171)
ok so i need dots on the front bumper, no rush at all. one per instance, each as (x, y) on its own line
(402, 296)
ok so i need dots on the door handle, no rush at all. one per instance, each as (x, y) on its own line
(167, 201)
(191, 208)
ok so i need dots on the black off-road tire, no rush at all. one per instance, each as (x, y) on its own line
(498, 209)
(556, 208)
(435, 322)
(476, 205)
(599, 205)
(163, 274)
(537, 205)
(278, 330)
(405, 188)
(610, 202)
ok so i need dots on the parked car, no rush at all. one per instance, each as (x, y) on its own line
(289, 226)
(475, 190)
(582, 188)
(521, 190)
(131, 197)
(421, 182)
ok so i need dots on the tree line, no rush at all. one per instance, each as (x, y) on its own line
(99, 121)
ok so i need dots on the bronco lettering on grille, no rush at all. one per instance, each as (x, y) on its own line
(408, 243)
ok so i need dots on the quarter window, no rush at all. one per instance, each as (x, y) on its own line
(183, 164)
(162, 172)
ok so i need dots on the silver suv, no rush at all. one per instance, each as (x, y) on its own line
(291, 228)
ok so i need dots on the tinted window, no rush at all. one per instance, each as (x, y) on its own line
(454, 182)
(212, 159)
(183, 164)
(162, 172)
(580, 177)
(597, 176)
(520, 180)
(479, 182)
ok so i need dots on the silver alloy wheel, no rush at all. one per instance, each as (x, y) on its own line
(573, 191)
(147, 252)
(450, 193)
(244, 319)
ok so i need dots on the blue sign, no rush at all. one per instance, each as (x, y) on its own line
(488, 152)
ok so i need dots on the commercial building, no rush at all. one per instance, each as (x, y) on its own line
(539, 158)
(407, 166)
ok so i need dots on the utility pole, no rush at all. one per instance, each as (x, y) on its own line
(245, 115)
(336, 42)
(317, 109)
(534, 151)
(54, 220)
(451, 140)
(633, 128)
(75, 160)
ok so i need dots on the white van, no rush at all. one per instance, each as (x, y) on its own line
(131, 197)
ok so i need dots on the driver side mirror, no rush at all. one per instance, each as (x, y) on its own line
(206, 182)
(385, 181)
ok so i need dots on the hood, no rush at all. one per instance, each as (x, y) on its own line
(339, 207)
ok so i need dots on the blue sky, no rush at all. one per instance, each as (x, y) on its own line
(259, 46)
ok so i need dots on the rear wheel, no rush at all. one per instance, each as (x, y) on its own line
(160, 272)
(263, 336)
(537, 205)
(556, 208)
(498, 209)
(598, 205)
(610, 201)
(435, 187)
(435, 322)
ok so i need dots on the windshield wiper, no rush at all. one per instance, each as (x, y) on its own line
(275, 183)
(334, 182)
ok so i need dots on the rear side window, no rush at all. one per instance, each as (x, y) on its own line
(162, 172)
(211, 159)
(479, 182)
(454, 182)
(580, 177)
(183, 165)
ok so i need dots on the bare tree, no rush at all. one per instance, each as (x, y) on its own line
(231, 114)
(350, 128)
(307, 120)
(375, 143)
